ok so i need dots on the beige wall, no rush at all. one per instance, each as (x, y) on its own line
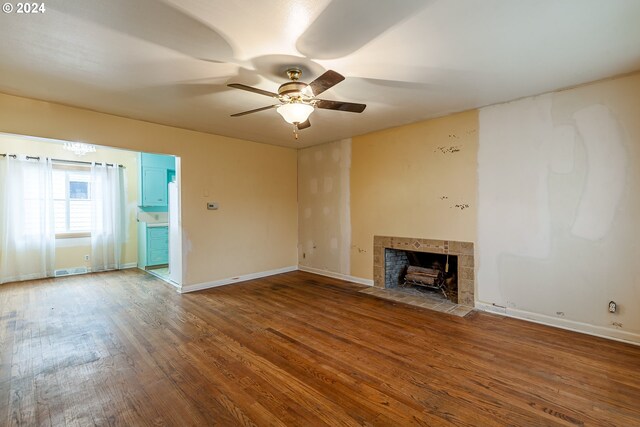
(255, 228)
(559, 203)
(323, 206)
(70, 252)
(407, 181)
(552, 185)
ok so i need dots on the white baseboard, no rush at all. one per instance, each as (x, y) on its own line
(163, 278)
(122, 267)
(229, 281)
(73, 271)
(334, 275)
(571, 325)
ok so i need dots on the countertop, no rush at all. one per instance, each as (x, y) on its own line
(157, 224)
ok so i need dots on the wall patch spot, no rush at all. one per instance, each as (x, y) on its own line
(461, 206)
(328, 184)
(448, 150)
(310, 247)
(607, 160)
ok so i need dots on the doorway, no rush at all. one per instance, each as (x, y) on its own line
(98, 204)
(159, 221)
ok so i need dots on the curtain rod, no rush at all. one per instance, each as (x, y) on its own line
(65, 161)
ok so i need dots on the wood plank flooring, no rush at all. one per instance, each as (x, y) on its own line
(296, 349)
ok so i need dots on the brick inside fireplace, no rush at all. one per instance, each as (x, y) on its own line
(463, 251)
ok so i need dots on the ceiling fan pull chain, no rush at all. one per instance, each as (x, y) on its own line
(295, 130)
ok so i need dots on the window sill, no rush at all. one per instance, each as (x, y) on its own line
(72, 235)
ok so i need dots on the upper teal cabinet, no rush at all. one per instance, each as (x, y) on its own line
(154, 187)
(158, 161)
(156, 171)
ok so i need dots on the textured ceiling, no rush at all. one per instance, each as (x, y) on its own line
(169, 62)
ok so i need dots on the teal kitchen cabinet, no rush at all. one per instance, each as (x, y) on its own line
(154, 187)
(153, 245)
(156, 171)
(157, 245)
(158, 161)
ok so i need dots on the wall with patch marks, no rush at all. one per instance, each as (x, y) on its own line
(417, 180)
(324, 231)
(559, 202)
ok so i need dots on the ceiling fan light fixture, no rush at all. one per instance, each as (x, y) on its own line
(295, 112)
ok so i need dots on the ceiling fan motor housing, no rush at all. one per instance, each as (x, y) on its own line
(292, 89)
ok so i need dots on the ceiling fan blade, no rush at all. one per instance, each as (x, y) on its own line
(255, 111)
(156, 22)
(253, 89)
(343, 27)
(329, 79)
(304, 125)
(341, 106)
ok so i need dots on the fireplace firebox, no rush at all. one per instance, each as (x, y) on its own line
(422, 271)
(440, 266)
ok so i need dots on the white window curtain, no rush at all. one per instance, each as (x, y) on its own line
(27, 228)
(108, 217)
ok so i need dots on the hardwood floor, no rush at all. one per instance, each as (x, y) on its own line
(123, 348)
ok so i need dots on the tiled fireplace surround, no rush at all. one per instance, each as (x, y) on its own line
(463, 250)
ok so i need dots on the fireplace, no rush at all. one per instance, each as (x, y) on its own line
(427, 259)
(424, 272)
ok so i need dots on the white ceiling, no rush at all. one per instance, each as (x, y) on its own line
(169, 62)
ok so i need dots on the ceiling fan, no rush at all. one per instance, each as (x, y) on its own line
(298, 100)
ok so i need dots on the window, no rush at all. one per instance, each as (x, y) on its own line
(72, 200)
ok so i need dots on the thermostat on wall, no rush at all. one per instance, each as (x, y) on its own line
(212, 206)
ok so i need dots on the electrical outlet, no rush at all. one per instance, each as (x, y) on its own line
(304, 255)
(613, 307)
(86, 257)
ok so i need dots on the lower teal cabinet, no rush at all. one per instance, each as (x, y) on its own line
(157, 245)
(153, 245)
